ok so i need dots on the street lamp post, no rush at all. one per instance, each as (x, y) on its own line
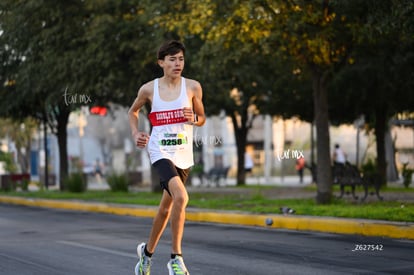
(358, 124)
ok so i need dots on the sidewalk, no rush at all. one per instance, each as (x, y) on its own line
(399, 230)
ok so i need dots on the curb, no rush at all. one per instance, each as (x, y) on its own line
(398, 230)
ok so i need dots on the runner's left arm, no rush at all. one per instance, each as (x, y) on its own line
(198, 106)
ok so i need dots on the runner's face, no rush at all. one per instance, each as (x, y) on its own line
(173, 65)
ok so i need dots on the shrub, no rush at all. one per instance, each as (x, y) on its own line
(369, 168)
(25, 185)
(118, 182)
(75, 183)
(6, 184)
(9, 165)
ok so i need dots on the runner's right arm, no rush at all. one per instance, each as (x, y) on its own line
(143, 96)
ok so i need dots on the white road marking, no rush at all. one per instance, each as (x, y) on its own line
(100, 249)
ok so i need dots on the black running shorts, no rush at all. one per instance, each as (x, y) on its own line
(167, 170)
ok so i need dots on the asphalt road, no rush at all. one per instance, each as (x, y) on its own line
(40, 241)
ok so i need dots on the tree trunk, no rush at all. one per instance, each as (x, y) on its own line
(45, 146)
(241, 140)
(241, 173)
(62, 136)
(324, 175)
(313, 162)
(380, 129)
(392, 172)
(24, 159)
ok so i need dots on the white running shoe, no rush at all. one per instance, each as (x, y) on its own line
(176, 266)
(143, 266)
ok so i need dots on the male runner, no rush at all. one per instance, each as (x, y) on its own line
(176, 105)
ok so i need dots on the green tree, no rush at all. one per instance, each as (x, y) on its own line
(318, 36)
(314, 35)
(124, 46)
(377, 81)
(231, 61)
(21, 133)
(120, 51)
(38, 41)
(55, 53)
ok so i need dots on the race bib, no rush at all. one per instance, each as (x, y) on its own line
(173, 141)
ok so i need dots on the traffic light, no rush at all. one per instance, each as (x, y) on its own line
(98, 110)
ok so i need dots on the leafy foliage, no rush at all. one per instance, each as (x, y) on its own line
(326, 61)
(71, 48)
(76, 183)
(118, 182)
(20, 132)
(7, 159)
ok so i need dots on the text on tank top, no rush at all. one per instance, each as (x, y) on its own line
(171, 137)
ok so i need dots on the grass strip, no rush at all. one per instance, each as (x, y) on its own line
(252, 202)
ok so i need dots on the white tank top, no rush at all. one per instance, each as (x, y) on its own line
(340, 156)
(171, 137)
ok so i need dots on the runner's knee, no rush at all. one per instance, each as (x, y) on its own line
(164, 211)
(181, 199)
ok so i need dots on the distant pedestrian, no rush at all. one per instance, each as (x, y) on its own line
(248, 163)
(339, 156)
(300, 167)
(98, 170)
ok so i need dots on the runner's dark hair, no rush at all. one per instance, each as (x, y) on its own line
(170, 47)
